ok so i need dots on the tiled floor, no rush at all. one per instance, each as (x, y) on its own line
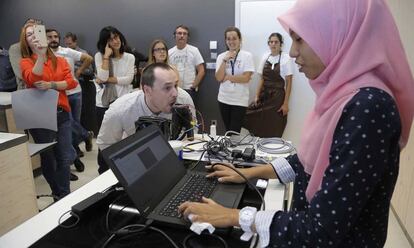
(396, 237)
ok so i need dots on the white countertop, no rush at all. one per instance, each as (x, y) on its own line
(5, 98)
(5, 137)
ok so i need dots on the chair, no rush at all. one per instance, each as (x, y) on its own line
(33, 108)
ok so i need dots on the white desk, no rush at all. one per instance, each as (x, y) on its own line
(38, 226)
(33, 229)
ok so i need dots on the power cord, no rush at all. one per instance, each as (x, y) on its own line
(71, 225)
(129, 230)
(109, 210)
(187, 148)
(247, 181)
(188, 238)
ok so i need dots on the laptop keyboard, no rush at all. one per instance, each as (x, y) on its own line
(193, 189)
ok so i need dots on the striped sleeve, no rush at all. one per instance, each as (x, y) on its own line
(262, 223)
(283, 170)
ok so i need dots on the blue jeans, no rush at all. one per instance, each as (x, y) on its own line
(78, 132)
(55, 163)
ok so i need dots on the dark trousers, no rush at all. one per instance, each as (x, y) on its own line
(88, 116)
(100, 113)
(55, 163)
(102, 166)
(232, 116)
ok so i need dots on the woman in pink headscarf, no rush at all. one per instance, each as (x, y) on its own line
(347, 164)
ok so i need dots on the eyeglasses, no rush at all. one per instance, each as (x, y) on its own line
(161, 49)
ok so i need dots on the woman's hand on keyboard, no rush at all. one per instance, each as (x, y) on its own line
(226, 174)
(211, 212)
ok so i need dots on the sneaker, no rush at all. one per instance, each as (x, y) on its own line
(88, 141)
(73, 177)
(79, 165)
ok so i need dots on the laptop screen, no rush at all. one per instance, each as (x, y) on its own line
(146, 165)
(136, 160)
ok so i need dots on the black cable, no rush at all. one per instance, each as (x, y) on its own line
(193, 235)
(247, 181)
(186, 146)
(109, 210)
(72, 225)
(198, 161)
(126, 230)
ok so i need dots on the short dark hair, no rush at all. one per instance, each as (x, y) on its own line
(72, 36)
(148, 76)
(277, 35)
(53, 30)
(183, 27)
(105, 35)
(231, 29)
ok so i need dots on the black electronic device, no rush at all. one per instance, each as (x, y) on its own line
(163, 124)
(249, 154)
(88, 204)
(236, 153)
(181, 118)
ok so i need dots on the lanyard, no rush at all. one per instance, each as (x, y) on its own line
(233, 62)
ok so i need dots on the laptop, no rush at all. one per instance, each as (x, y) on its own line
(153, 176)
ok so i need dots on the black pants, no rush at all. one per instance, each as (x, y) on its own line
(100, 113)
(232, 116)
(88, 116)
(102, 166)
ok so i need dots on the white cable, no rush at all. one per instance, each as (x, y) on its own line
(285, 148)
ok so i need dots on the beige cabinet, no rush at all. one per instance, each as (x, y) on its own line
(17, 189)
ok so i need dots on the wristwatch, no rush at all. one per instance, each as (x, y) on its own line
(246, 219)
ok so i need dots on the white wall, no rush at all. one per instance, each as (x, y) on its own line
(257, 20)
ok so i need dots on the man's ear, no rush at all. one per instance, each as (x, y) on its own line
(146, 89)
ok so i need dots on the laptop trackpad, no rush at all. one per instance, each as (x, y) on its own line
(226, 199)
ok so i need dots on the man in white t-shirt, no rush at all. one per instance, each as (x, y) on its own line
(75, 95)
(188, 61)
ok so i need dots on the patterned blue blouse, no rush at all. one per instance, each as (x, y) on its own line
(351, 208)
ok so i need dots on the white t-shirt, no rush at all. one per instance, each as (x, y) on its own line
(286, 64)
(71, 57)
(123, 70)
(235, 93)
(186, 60)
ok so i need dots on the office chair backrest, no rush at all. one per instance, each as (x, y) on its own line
(33, 108)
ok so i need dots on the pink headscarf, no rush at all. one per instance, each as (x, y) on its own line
(359, 43)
